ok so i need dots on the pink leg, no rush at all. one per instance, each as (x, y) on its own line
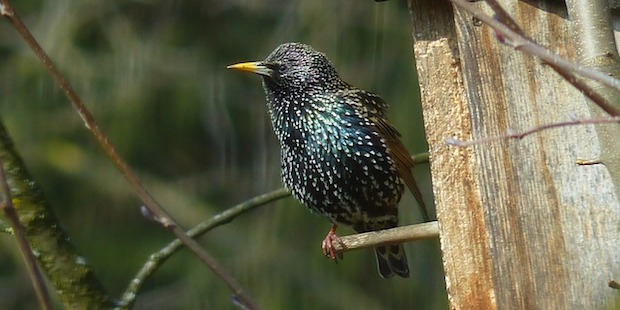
(328, 244)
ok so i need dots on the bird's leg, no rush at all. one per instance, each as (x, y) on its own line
(328, 244)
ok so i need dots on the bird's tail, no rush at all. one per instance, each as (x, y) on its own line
(391, 260)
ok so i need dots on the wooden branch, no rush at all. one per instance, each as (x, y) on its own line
(157, 259)
(65, 267)
(428, 230)
(6, 205)
(153, 208)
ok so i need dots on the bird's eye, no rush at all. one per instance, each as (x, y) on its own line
(282, 68)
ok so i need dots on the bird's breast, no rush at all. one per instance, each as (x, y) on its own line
(332, 159)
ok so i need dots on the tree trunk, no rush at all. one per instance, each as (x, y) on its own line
(522, 226)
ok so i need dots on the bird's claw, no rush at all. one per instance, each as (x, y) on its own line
(328, 246)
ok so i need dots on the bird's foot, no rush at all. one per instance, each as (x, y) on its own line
(328, 245)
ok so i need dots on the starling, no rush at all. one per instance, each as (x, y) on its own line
(340, 155)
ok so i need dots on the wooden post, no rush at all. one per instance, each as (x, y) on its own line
(522, 226)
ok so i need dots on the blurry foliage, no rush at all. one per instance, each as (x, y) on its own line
(154, 75)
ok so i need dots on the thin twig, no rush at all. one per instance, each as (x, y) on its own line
(6, 204)
(522, 43)
(428, 230)
(461, 143)
(578, 83)
(68, 271)
(155, 260)
(158, 211)
(505, 18)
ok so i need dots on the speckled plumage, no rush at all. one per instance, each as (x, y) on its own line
(340, 156)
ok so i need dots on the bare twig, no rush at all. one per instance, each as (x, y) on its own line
(155, 260)
(428, 230)
(66, 269)
(159, 212)
(504, 17)
(561, 65)
(523, 43)
(461, 143)
(578, 83)
(515, 36)
(6, 205)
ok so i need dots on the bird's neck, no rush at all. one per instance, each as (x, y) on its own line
(291, 109)
(288, 113)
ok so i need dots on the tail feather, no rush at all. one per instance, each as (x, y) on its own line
(391, 260)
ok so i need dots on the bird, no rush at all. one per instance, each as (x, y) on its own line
(340, 156)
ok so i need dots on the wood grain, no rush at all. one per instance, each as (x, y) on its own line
(521, 225)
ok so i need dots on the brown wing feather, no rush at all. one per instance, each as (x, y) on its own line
(403, 160)
(375, 109)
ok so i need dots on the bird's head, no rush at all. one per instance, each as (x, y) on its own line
(294, 67)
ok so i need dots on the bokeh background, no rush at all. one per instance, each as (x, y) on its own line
(154, 75)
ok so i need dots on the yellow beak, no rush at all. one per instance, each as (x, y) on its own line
(257, 67)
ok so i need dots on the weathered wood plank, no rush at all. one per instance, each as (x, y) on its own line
(521, 225)
(456, 195)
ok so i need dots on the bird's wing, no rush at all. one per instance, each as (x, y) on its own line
(375, 108)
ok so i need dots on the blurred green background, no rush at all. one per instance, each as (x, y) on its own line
(154, 75)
